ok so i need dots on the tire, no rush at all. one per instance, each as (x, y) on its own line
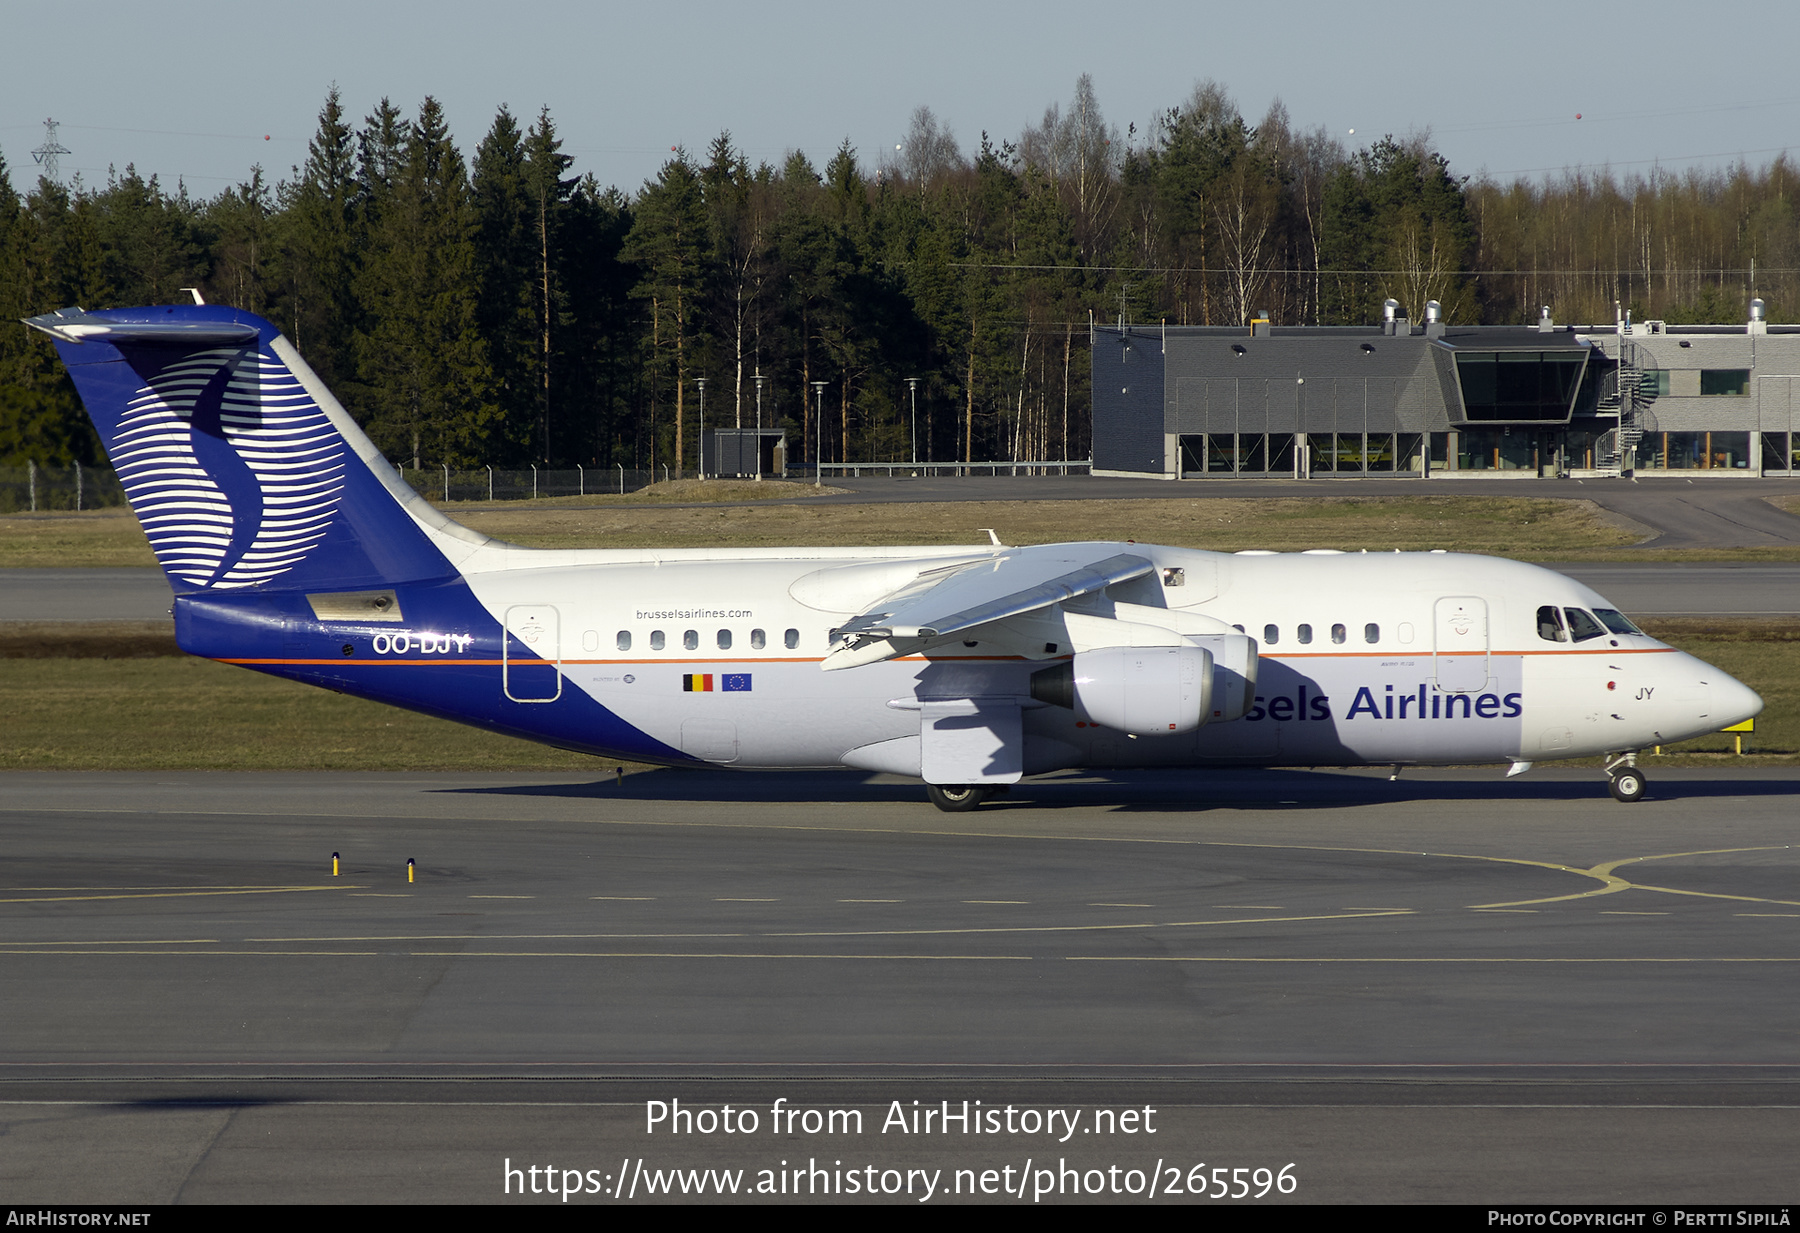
(956, 797)
(1628, 785)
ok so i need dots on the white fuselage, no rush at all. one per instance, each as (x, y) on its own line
(1413, 658)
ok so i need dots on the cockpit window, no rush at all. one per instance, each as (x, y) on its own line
(1616, 621)
(1583, 626)
(1550, 624)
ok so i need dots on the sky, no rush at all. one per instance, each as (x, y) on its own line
(199, 92)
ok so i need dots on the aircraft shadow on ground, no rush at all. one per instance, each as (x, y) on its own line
(1198, 789)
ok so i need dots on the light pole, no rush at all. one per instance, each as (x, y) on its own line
(819, 434)
(759, 384)
(701, 382)
(912, 386)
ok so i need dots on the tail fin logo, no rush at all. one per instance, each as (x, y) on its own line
(232, 468)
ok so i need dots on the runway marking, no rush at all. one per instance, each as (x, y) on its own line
(1634, 913)
(1014, 902)
(1121, 905)
(381, 895)
(1778, 915)
(625, 898)
(1613, 883)
(8, 949)
(497, 937)
(575, 954)
(1427, 960)
(731, 900)
(1175, 924)
(503, 896)
(181, 893)
(871, 901)
(121, 942)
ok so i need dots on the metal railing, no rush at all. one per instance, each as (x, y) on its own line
(533, 483)
(35, 488)
(1036, 467)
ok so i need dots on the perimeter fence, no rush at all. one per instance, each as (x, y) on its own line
(35, 488)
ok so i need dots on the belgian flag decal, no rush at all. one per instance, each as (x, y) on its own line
(706, 683)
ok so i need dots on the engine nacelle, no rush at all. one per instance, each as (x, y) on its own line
(1235, 659)
(1148, 690)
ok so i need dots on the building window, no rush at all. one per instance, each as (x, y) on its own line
(1732, 382)
(1519, 385)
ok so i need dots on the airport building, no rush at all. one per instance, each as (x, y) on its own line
(1446, 401)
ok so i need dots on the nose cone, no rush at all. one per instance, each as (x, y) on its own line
(1732, 701)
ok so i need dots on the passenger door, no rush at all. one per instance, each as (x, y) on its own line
(1461, 644)
(531, 654)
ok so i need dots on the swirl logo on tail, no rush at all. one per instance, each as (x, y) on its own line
(232, 468)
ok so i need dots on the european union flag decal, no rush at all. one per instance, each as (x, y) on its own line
(736, 683)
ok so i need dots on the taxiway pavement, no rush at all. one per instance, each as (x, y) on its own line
(1452, 987)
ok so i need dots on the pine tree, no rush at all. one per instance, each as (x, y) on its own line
(422, 363)
(322, 235)
(670, 243)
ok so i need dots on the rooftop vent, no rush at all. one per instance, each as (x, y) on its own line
(1758, 322)
(1392, 321)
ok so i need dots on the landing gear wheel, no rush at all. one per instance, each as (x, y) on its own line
(956, 797)
(1628, 785)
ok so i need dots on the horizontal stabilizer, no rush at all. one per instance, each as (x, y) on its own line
(74, 325)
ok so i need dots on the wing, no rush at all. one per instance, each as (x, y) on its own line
(940, 605)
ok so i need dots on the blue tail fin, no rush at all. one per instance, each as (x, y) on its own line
(243, 469)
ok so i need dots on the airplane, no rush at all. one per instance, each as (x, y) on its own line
(295, 549)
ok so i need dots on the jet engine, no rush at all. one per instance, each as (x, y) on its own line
(1155, 690)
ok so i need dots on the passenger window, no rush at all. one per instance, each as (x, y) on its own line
(1371, 633)
(1550, 624)
(1271, 634)
(1583, 626)
(656, 640)
(690, 641)
(791, 639)
(624, 641)
(1303, 634)
(1239, 628)
(590, 640)
(1338, 634)
(757, 641)
(724, 639)
(1616, 621)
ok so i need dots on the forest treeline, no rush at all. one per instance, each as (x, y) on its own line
(495, 308)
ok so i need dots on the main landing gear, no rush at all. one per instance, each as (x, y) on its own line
(958, 797)
(1626, 782)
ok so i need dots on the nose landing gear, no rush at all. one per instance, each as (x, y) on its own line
(1627, 783)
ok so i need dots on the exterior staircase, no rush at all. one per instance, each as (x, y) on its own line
(1622, 394)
